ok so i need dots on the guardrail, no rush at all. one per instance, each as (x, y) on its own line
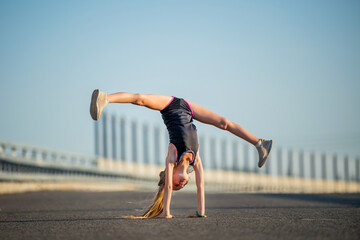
(135, 152)
(19, 162)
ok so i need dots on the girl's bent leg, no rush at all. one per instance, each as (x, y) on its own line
(206, 116)
(152, 101)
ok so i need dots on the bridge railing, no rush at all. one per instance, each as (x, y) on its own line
(45, 157)
(20, 162)
(133, 151)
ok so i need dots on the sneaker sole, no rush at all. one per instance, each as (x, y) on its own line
(93, 105)
(267, 155)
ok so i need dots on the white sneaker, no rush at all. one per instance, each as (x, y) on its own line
(263, 147)
(98, 102)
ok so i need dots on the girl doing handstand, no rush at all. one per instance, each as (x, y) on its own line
(178, 115)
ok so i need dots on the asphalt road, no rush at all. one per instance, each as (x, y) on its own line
(97, 215)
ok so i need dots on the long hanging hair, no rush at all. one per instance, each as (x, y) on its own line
(156, 208)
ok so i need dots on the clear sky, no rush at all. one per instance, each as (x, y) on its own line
(287, 70)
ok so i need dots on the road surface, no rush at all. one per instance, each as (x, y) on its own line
(97, 215)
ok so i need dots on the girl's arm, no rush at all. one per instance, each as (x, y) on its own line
(170, 161)
(199, 178)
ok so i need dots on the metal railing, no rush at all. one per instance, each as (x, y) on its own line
(134, 152)
(20, 162)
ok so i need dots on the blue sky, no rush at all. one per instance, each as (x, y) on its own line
(287, 70)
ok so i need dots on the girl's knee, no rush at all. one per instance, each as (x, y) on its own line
(223, 123)
(139, 99)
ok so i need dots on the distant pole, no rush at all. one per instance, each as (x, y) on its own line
(157, 146)
(97, 129)
(254, 161)
(301, 165)
(312, 166)
(213, 153)
(336, 177)
(357, 169)
(113, 134)
(146, 143)
(202, 149)
(105, 152)
(290, 163)
(246, 158)
(279, 162)
(127, 141)
(224, 156)
(323, 167)
(122, 139)
(346, 168)
(134, 141)
(235, 159)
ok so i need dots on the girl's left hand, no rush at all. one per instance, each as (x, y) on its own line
(195, 216)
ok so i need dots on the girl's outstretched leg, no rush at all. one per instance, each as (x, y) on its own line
(99, 100)
(152, 101)
(206, 116)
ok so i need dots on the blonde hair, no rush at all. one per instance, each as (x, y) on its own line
(156, 208)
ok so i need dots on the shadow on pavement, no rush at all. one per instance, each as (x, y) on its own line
(67, 210)
(62, 220)
(352, 200)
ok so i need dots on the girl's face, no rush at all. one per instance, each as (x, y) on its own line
(180, 178)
